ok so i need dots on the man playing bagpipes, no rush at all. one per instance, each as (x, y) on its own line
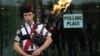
(31, 38)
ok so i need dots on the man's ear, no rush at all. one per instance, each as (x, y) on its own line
(33, 15)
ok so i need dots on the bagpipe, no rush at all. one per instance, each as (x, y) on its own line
(34, 37)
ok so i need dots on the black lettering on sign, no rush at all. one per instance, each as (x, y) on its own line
(68, 23)
(73, 17)
(68, 17)
(74, 23)
(78, 18)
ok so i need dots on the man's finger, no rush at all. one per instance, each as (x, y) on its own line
(35, 53)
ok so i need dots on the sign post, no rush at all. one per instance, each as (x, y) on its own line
(73, 20)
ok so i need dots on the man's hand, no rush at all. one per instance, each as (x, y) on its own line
(29, 55)
(26, 55)
(43, 47)
(36, 52)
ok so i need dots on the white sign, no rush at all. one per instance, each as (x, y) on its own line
(73, 20)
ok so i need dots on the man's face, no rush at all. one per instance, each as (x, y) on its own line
(28, 17)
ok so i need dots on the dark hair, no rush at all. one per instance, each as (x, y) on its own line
(25, 9)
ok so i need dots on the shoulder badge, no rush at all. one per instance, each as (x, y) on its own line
(18, 32)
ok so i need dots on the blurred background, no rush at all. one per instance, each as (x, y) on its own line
(10, 16)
